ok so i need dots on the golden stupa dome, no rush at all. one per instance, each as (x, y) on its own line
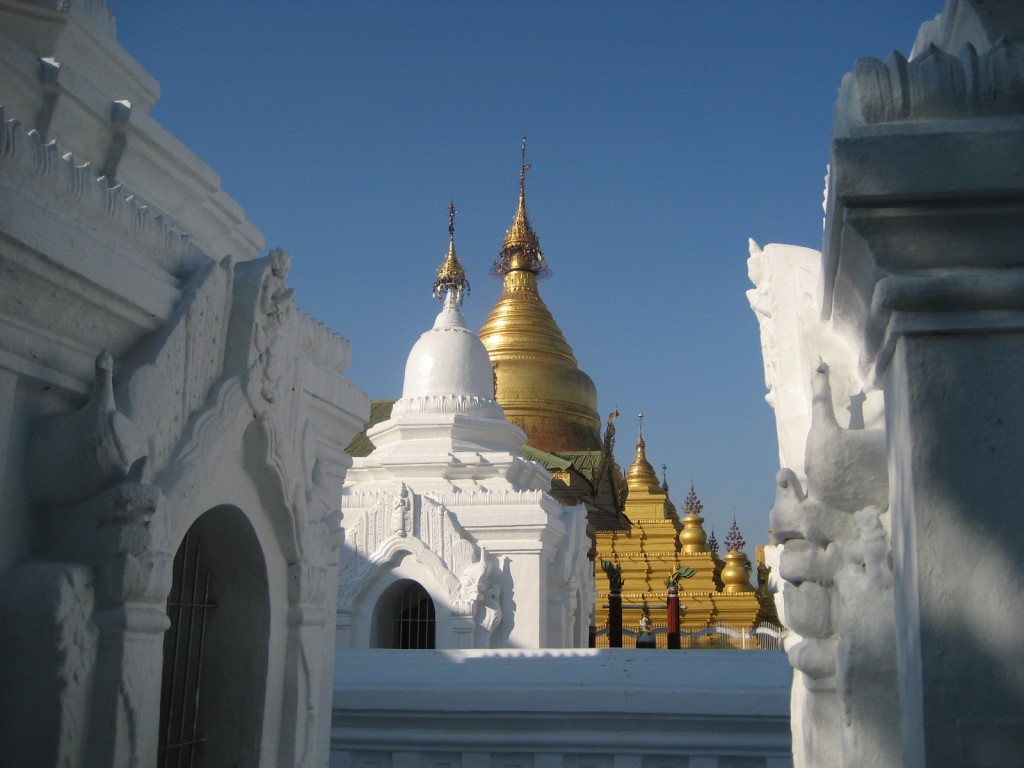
(735, 572)
(640, 476)
(692, 538)
(537, 379)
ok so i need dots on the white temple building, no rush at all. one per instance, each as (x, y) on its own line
(451, 539)
(172, 434)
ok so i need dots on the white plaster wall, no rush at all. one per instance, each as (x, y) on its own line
(613, 708)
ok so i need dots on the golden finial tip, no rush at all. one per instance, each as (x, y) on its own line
(521, 248)
(451, 277)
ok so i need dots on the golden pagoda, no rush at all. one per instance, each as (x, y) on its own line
(539, 384)
(632, 520)
(656, 544)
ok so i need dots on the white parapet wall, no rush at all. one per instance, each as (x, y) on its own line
(609, 708)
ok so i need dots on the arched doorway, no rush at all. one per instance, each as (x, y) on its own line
(215, 651)
(406, 617)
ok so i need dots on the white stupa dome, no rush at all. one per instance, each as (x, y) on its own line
(449, 359)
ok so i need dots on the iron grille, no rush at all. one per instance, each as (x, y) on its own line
(188, 607)
(413, 623)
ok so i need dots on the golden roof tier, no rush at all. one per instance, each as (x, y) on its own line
(537, 379)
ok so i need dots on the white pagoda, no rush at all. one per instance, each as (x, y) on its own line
(451, 539)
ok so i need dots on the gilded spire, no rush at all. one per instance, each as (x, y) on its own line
(521, 248)
(692, 538)
(451, 277)
(538, 382)
(735, 573)
(641, 476)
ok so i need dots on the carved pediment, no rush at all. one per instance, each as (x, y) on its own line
(400, 521)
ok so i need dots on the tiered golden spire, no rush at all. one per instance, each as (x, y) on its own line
(640, 476)
(521, 248)
(451, 277)
(735, 573)
(692, 538)
(539, 385)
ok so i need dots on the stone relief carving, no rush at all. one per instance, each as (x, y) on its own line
(169, 377)
(217, 366)
(400, 509)
(831, 521)
(403, 521)
(934, 85)
(275, 304)
(836, 560)
(96, 445)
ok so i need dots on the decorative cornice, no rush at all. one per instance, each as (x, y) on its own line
(933, 86)
(95, 12)
(363, 499)
(462, 404)
(992, 300)
(322, 345)
(42, 169)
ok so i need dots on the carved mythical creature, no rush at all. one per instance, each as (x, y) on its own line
(838, 596)
(93, 447)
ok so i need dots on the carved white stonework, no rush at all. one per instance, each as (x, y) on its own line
(918, 295)
(155, 378)
(836, 591)
(445, 500)
(405, 522)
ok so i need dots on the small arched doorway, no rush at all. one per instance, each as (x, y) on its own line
(406, 618)
(215, 651)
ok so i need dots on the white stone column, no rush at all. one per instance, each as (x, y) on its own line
(956, 448)
(522, 539)
(924, 255)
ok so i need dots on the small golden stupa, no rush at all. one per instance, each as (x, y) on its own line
(656, 543)
(538, 382)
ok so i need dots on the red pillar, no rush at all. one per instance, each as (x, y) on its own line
(673, 616)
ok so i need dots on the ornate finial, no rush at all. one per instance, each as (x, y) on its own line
(451, 277)
(735, 574)
(640, 442)
(522, 173)
(713, 541)
(692, 505)
(734, 539)
(664, 477)
(521, 249)
(692, 538)
(609, 433)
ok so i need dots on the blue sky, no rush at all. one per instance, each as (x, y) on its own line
(662, 136)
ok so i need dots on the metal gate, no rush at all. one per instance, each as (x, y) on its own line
(188, 607)
(413, 623)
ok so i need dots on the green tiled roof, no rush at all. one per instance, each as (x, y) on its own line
(380, 410)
